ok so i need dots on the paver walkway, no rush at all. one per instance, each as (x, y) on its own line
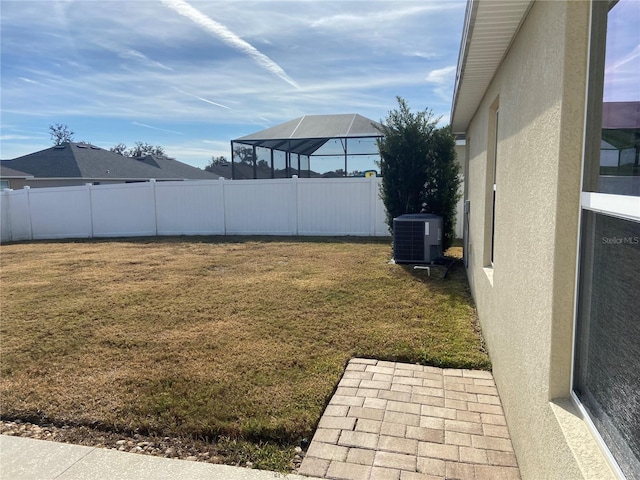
(400, 421)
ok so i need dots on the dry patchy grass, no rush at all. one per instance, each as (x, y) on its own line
(204, 337)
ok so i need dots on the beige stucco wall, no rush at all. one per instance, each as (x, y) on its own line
(525, 301)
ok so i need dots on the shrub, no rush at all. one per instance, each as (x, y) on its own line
(417, 163)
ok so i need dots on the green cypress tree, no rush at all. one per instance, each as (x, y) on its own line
(417, 163)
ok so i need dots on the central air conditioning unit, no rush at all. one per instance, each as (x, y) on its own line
(417, 238)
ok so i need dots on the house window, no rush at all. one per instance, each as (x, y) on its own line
(491, 186)
(606, 378)
(4, 184)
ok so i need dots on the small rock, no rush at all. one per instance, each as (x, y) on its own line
(121, 442)
(191, 459)
(298, 449)
(249, 464)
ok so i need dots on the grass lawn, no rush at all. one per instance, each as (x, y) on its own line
(214, 336)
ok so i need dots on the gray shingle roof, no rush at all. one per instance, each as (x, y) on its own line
(7, 172)
(76, 160)
(621, 115)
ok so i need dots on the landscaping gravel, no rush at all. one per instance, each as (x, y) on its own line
(167, 447)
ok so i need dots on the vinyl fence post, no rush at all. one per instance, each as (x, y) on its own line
(7, 221)
(155, 205)
(373, 190)
(224, 205)
(90, 203)
(296, 203)
(27, 189)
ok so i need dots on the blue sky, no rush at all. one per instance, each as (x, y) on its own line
(190, 75)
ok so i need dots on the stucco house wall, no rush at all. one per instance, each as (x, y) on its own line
(525, 299)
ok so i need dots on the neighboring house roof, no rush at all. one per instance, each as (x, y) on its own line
(78, 160)
(179, 169)
(620, 125)
(489, 29)
(306, 134)
(621, 115)
(6, 172)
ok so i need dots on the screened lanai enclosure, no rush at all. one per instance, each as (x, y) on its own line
(311, 146)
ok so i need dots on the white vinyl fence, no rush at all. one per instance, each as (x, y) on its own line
(291, 206)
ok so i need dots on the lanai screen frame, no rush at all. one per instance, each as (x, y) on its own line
(299, 147)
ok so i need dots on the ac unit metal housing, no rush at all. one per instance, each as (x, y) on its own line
(417, 238)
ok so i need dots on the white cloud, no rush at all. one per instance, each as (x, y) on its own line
(194, 155)
(16, 137)
(443, 79)
(442, 75)
(28, 80)
(381, 17)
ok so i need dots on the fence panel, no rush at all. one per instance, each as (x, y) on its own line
(380, 227)
(123, 210)
(335, 207)
(20, 214)
(292, 206)
(190, 208)
(63, 212)
(261, 207)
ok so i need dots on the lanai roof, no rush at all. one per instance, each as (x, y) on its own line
(306, 134)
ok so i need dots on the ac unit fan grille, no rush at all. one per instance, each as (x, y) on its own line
(408, 241)
(417, 238)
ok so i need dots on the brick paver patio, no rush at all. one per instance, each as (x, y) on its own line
(400, 421)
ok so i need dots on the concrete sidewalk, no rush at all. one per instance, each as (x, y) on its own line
(400, 421)
(29, 459)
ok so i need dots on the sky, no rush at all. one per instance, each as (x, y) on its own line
(193, 75)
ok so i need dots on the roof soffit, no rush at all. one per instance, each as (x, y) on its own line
(490, 27)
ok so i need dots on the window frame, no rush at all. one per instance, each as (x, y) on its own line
(491, 186)
(621, 206)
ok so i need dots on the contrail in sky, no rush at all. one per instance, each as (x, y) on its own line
(228, 37)
(155, 128)
(131, 53)
(203, 99)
